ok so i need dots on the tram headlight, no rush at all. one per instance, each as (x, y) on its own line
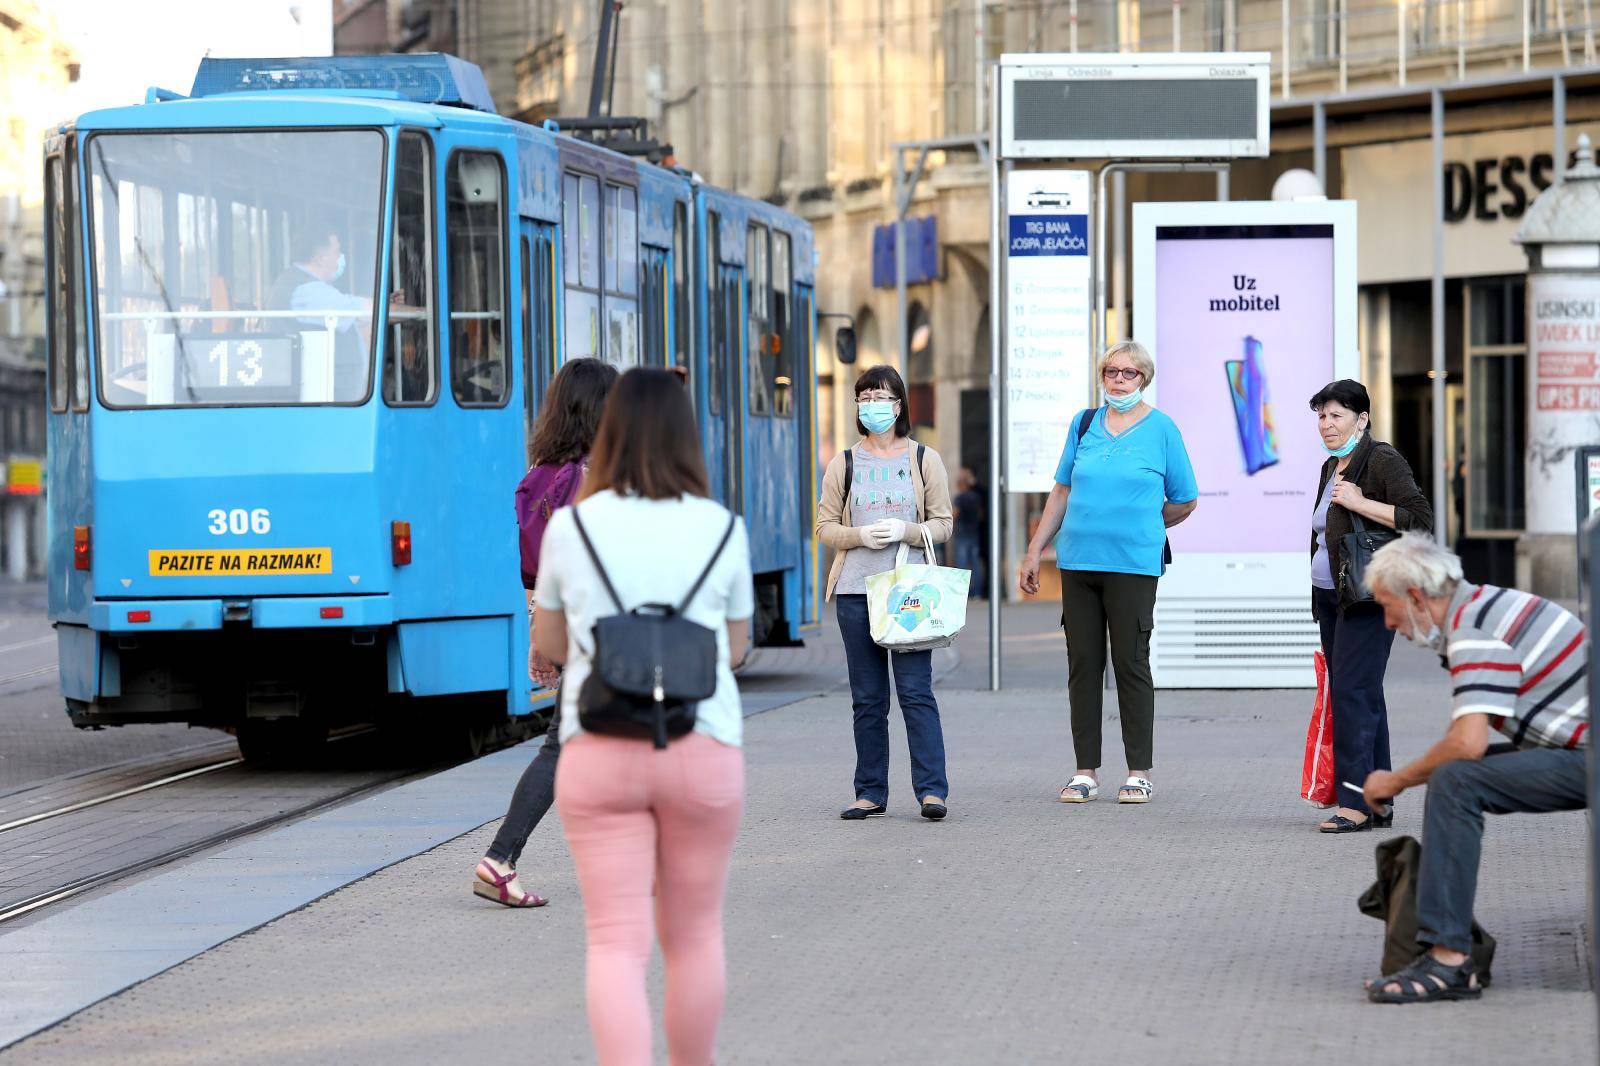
(400, 543)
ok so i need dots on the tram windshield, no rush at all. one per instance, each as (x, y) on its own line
(235, 268)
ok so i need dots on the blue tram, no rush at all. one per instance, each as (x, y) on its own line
(300, 322)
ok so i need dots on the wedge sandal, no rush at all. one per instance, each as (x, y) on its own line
(503, 889)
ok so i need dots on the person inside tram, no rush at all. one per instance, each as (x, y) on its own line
(308, 284)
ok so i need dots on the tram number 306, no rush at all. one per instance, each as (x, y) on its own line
(239, 521)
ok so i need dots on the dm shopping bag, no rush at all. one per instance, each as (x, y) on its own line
(1316, 776)
(917, 606)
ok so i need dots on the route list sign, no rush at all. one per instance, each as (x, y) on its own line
(1047, 319)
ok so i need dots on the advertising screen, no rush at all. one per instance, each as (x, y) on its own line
(1244, 337)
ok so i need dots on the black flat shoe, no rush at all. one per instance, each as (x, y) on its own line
(1340, 824)
(933, 812)
(1382, 821)
(856, 814)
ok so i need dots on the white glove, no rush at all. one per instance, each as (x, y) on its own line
(875, 535)
(897, 529)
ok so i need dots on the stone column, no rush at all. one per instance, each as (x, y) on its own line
(1561, 235)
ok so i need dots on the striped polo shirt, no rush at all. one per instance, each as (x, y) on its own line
(1521, 660)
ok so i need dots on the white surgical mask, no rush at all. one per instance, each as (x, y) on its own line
(1432, 639)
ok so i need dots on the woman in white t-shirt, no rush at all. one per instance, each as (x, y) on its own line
(638, 818)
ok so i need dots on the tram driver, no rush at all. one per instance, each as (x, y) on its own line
(308, 285)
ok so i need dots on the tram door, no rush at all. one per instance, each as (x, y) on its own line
(536, 249)
(720, 416)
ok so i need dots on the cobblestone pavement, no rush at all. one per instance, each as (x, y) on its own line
(1213, 926)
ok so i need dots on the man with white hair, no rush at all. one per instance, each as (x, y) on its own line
(1518, 664)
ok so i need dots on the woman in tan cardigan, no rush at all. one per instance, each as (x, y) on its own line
(896, 490)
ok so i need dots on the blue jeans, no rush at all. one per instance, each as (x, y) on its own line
(869, 696)
(969, 556)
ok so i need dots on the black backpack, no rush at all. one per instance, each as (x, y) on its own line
(651, 665)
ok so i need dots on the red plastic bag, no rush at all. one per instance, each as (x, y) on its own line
(1316, 776)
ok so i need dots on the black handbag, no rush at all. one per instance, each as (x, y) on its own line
(1355, 554)
(651, 666)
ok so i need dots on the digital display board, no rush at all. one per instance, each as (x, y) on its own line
(238, 368)
(1244, 338)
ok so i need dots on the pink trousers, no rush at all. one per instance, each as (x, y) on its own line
(639, 821)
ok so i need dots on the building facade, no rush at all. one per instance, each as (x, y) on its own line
(36, 66)
(803, 104)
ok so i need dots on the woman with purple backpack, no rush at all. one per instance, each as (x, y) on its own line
(559, 454)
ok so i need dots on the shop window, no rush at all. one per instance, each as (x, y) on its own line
(475, 192)
(1496, 422)
(409, 367)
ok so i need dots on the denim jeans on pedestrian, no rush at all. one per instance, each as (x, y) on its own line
(870, 667)
(1460, 793)
(535, 791)
(969, 556)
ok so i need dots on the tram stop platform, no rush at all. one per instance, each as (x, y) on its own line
(1213, 926)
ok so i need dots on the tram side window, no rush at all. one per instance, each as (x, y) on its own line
(60, 328)
(781, 359)
(717, 354)
(758, 272)
(409, 376)
(680, 284)
(581, 239)
(622, 275)
(475, 197)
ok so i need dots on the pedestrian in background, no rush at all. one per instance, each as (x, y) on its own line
(568, 420)
(970, 513)
(1128, 478)
(885, 490)
(1367, 478)
(644, 822)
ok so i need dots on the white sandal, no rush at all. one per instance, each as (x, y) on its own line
(1081, 789)
(1136, 790)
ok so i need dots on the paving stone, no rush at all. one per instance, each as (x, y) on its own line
(1213, 926)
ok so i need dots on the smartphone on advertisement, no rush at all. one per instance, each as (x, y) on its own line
(1252, 408)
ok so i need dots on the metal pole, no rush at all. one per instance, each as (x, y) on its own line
(901, 344)
(1558, 125)
(1119, 259)
(1097, 266)
(1285, 65)
(1440, 460)
(1319, 144)
(997, 405)
(1400, 40)
(1527, 27)
(1224, 189)
(597, 81)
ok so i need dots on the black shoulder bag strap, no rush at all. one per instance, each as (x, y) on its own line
(694, 590)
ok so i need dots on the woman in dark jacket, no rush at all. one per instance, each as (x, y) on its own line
(1367, 478)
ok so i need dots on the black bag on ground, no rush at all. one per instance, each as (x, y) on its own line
(1392, 900)
(651, 665)
(1355, 554)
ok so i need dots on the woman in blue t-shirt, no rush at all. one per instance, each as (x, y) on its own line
(1129, 479)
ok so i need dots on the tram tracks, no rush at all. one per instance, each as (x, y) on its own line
(89, 882)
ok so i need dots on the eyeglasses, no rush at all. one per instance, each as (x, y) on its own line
(1112, 373)
(873, 397)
